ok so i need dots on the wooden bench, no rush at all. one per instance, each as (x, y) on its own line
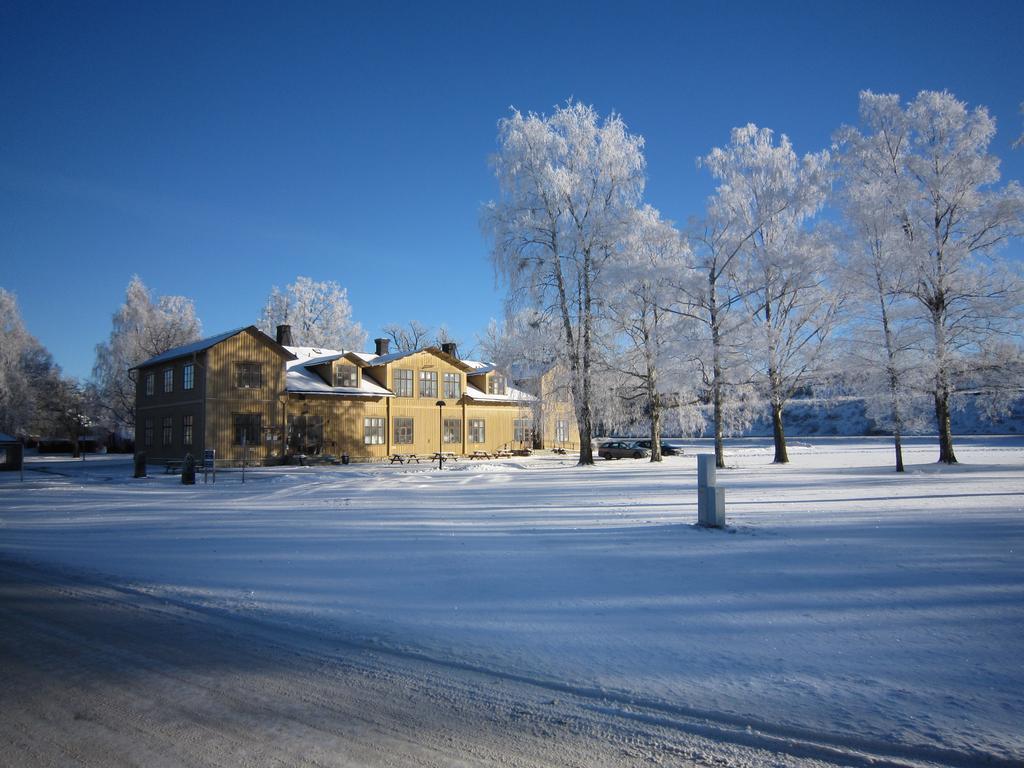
(404, 458)
(173, 466)
(558, 450)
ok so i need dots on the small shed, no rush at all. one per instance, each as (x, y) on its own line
(10, 453)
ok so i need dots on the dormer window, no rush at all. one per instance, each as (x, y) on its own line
(496, 384)
(346, 376)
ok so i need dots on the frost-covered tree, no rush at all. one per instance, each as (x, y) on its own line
(766, 190)
(569, 184)
(141, 328)
(647, 350)
(880, 358)
(66, 406)
(953, 219)
(318, 312)
(25, 366)
(710, 294)
(411, 336)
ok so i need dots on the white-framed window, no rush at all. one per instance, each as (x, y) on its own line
(496, 384)
(477, 431)
(428, 383)
(186, 429)
(373, 431)
(346, 376)
(522, 430)
(248, 375)
(188, 376)
(402, 381)
(168, 380)
(561, 431)
(453, 430)
(150, 384)
(452, 386)
(403, 429)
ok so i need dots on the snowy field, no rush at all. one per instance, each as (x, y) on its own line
(846, 604)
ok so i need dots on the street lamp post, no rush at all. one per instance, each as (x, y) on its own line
(440, 432)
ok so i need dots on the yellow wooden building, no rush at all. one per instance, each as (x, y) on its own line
(247, 395)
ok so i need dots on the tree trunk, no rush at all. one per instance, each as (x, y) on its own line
(716, 368)
(779, 434)
(655, 428)
(946, 455)
(898, 445)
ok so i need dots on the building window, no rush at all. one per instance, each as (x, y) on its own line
(186, 430)
(346, 376)
(561, 431)
(496, 385)
(477, 432)
(150, 384)
(147, 434)
(306, 433)
(452, 386)
(403, 429)
(428, 383)
(188, 376)
(522, 430)
(169, 380)
(246, 425)
(168, 430)
(373, 431)
(248, 375)
(453, 430)
(403, 382)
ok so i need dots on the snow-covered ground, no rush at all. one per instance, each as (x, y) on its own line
(846, 603)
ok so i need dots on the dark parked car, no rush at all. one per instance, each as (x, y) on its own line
(666, 448)
(620, 449)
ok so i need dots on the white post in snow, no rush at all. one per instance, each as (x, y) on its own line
(710, 498)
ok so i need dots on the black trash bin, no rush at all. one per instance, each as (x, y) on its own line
(344, 458)
(140, 464)
(188, 470)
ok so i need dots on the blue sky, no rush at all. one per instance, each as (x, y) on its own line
(217, 149)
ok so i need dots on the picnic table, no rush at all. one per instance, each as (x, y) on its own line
(173, 466)
(404, 458)
(479, 455)
(443, 456)
(503, 453)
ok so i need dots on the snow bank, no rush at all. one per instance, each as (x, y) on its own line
(844, 600)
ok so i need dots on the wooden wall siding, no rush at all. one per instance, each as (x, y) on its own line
(177, 449)
(422, 361)
(343, 422)
(177, 403)
(225, 399)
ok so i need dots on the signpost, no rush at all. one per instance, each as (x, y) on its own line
(210, 463)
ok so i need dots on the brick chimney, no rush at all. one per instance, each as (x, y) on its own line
(450, 348)
(382, 346)
(284, 336)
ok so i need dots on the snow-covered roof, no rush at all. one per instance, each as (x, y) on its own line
(511, 395)
(479, 368)
(200, 346)
(299, 378)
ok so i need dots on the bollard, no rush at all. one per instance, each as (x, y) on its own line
(188, 470)
(710, 498)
